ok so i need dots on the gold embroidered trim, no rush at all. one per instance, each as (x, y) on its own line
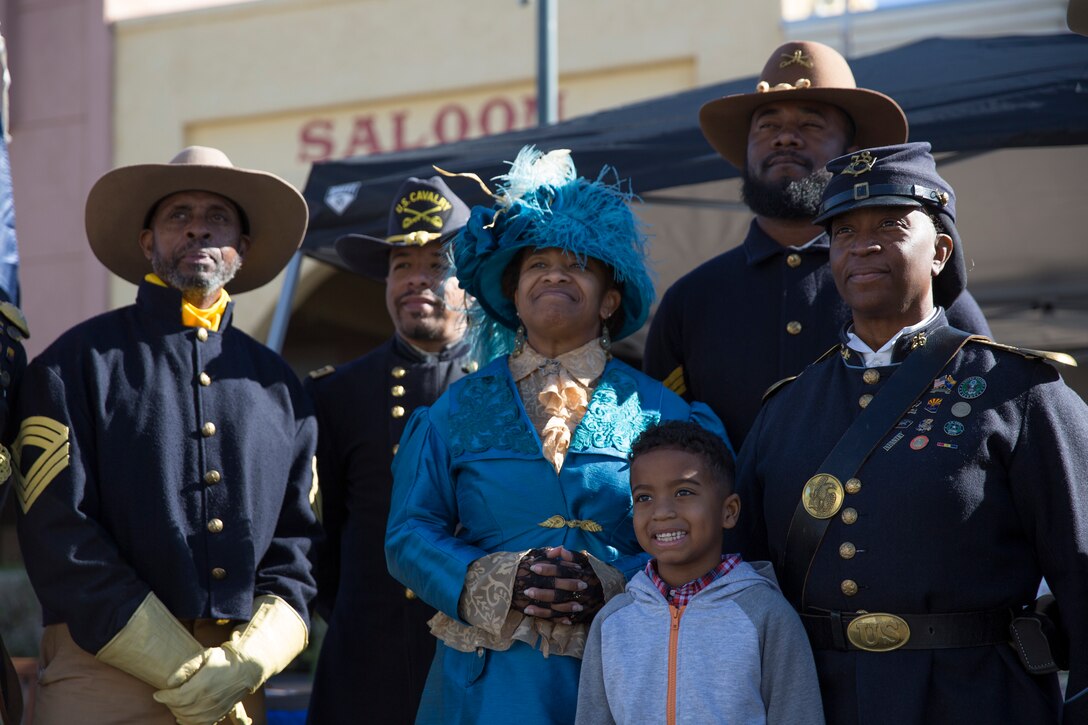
(51, 436)
(558, 522)
(414, 238)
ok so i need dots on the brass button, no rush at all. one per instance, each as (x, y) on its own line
(219, 573)
(398, 411)
(205, 379)
(11, 353)
(849, 515)
(871, 376)
(208, 429)
(215, 526)
(399, 372)
(853, 485)
(794, 260)
(397, 391)
(863, 401)
(793, 327)
(212, 477)
(847, 550)
(202, 334)
(396, 447)
(849, 587)
(222, 622)
(409, 594)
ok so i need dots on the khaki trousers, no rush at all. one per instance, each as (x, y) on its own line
(74, 687)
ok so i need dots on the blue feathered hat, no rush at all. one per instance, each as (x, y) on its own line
(542, 203)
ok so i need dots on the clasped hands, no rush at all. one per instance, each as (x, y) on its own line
(215, 691)
(557, 584)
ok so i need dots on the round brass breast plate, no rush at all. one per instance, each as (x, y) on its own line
(878, 632)
(822, 496)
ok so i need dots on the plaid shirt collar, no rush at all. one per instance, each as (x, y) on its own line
(681, 595)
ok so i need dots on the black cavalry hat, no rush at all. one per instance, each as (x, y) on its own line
(423, 211)
(900, 175)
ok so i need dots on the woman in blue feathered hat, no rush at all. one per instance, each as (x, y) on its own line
(524, 463)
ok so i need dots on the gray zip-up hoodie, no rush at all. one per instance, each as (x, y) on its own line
(737, 653)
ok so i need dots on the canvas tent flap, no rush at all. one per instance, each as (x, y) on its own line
(961, 94)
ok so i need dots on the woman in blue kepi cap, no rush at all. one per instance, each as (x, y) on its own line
(511, 504)
(910, 523)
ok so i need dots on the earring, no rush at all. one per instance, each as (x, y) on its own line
(606, 340)
(519, 341)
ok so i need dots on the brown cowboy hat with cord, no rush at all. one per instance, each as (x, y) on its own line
(120, 204)
(802, 70)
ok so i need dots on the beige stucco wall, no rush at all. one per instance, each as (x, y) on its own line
(280, 83)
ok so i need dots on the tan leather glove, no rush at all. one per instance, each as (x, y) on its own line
(154, 647)
(257, 650)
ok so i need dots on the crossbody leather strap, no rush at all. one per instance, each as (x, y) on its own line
(914, 376)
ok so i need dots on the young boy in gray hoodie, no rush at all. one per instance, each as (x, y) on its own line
(698, 637)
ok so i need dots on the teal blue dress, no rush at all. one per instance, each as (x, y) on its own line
(470, 480)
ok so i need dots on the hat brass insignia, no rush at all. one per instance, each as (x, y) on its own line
(860, 164)
(822, 496)
(798, 57)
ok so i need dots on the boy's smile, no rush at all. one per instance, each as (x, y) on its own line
(679, 513)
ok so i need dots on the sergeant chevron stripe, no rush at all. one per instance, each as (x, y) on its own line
(675, 381)
(51, 437)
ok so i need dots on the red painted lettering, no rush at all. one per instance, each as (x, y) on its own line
(498, 109)
(460, 121)
(315, 141)
(399, 144)
(364, 139)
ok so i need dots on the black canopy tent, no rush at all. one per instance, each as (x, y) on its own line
(961, 94)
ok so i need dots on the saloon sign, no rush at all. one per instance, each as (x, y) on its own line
(325, 138)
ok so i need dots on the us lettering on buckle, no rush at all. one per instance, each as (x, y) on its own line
(878, 632)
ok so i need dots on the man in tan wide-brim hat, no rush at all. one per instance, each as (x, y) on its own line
(764, 309)
(166, 461)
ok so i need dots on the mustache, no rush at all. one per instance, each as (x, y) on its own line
(197, 245)
(795, 158)
(429, 295)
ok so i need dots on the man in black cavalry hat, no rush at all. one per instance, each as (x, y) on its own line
(378, 649)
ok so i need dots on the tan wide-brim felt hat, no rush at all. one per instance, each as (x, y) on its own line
(121, 200)
(802, 70)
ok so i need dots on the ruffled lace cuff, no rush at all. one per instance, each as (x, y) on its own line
(485, 605)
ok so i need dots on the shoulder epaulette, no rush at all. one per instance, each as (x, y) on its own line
(1058, 357)
(775, 387)
(784, 381)
(15, 316)
(321, 372)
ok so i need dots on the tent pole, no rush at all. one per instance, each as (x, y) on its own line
(547, 70)
(277, 331)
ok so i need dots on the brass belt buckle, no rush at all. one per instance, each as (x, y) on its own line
(878, 632)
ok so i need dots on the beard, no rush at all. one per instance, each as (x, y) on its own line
(788, 199)
(202, 282)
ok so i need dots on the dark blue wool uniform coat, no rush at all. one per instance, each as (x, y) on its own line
(378, 649)
(158, 457)
(748, 318)
(961, 508)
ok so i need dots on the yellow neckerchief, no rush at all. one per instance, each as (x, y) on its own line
(193, 316)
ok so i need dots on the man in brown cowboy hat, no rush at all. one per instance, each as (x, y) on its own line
(378, 630)
(763, 310)
(166, 461)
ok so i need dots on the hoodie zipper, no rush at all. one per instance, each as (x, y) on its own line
(674, 637)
